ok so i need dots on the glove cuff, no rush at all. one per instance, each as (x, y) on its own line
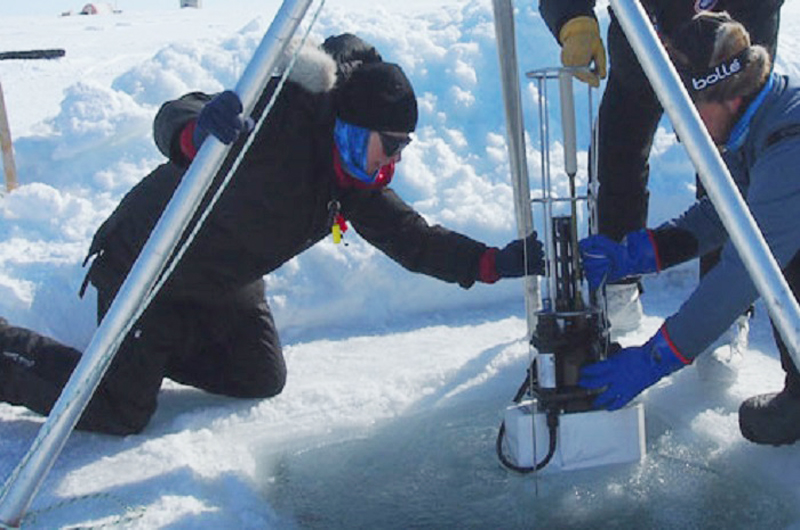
(487, 266)
(673, 245)
(655, 257)
(577, 25)
(671, 358)
(188, 147)
(643, 252)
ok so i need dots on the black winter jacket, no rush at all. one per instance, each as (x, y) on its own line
(281, 200)
(669, 14)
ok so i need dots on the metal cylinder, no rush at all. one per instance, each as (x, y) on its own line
(567, 100)
(9, 167)
(515, 132)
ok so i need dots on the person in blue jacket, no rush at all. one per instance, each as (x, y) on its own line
(630, 111)
(753, 115)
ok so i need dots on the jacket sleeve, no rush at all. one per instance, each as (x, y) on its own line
(392, 226)
(557, 12)
(170, 121)
(774, 200)
(701, 220)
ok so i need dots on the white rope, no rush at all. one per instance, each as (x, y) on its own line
(32, 519)
(235, 165)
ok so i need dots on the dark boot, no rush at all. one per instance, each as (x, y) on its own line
(775, 418)
(772, 419)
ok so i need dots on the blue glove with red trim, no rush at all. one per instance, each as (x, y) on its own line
(605, 260)
(626, 373)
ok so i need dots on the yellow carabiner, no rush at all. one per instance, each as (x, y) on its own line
(336, 231)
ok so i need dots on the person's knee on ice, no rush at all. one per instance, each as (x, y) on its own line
(121, 418)
(265, 385)
(265, 376)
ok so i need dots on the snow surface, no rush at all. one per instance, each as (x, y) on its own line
(397, 382)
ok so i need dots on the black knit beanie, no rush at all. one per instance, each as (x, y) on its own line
(379, 97)
(695, 40)
(692, 47)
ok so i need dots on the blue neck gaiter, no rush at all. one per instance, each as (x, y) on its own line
(352, 142)
(742, 127)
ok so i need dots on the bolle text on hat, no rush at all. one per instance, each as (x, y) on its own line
(720, 72)
(715, 58)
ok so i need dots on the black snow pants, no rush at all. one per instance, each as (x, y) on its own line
(229, 347)
(627, 120)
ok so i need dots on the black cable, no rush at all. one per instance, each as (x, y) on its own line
(552, 428)
(552, 422)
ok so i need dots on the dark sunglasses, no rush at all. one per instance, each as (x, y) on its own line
(393, 144)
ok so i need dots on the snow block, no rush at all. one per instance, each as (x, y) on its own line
(585, 439)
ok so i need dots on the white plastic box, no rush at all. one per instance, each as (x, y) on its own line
(584, 439)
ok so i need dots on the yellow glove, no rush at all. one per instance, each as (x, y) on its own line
(581, 45)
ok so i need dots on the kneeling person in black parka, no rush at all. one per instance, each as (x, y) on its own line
(327, 151)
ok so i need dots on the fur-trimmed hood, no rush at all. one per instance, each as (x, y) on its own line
(313, 70)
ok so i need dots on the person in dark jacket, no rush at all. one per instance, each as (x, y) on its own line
(326, 153)
(753, 116)
(630, 111)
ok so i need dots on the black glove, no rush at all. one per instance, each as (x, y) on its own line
(222, 117)
(510, 262)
